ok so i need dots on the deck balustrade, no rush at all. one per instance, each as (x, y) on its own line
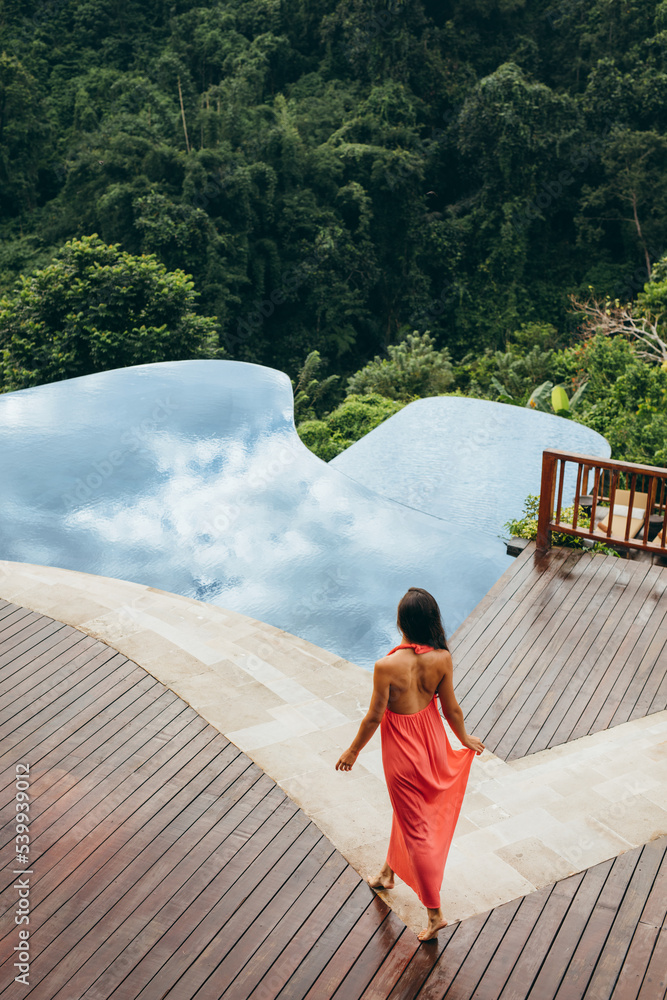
(628, 500)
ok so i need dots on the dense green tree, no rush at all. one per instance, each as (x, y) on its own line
(351, 420)
(625, 399)
(626, 210)
(333, 172)
(311, 394)
(96, 307)
(22, 136)
(414, 368)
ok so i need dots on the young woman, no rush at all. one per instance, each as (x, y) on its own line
(426, 777)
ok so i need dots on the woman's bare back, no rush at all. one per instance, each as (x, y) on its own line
(414, 677)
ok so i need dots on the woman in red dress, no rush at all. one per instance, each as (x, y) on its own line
(426, 777)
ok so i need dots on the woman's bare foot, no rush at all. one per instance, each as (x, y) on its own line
(385, 880)
(435, 923)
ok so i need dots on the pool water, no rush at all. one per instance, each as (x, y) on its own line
(189, 476)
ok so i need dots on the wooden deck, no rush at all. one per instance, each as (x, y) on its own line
(167, 865)
(594, 935)
(155, 843)
(561, 647)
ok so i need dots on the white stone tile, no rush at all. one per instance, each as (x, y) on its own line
(262, 735)
(535, 860)
(186, 639)
(516, 801)
(635, 818)
(658, 752)
(573, 778)
(294, 721)
(361, 827)
(464, 825)
(529, 823)
(486, 816)
(288, 759)
(372, 761)
(289, 690)
(655, 723)
(579, 802)
(485, 882)
(493, 789)
(473, 800)
(658, 795)
(478, 843)
(324, 715)
(583, 842)
(488, 766)
(632, 783)
(341, 793)
(257, 668)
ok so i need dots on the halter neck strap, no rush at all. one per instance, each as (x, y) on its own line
(411, 645)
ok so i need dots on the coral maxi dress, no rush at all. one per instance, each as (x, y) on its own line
(427, 780)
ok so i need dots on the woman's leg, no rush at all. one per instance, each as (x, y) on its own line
(385, 880)
(435, 923)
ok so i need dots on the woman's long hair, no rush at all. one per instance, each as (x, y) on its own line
(419, 619)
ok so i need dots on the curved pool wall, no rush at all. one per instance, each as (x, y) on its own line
(190, 477)
(469, 461)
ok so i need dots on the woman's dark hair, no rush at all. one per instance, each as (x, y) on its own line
(419, 619)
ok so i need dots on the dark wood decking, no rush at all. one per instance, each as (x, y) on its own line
(599, 934)
(561, 647)
(167, 865)
(165, 862)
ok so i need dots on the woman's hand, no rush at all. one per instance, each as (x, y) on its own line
(346, 760)
(472, 743)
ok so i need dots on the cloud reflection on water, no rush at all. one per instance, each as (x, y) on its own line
(190, 477)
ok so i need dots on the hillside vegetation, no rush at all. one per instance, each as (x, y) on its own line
(262, 179)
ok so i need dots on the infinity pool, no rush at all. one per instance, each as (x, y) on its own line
(469, 461)
(190, 477)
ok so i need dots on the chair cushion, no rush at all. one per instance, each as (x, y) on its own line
(620, 510)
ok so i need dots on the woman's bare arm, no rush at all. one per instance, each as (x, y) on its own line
(452, 710)
(372, 719)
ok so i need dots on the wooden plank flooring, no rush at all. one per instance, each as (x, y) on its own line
(596, 935)
(167, 865)
(562, 647)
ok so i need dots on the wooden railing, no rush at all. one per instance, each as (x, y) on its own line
(635, 518)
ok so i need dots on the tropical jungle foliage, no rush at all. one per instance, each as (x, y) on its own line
(413, 190)
(94, 308)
